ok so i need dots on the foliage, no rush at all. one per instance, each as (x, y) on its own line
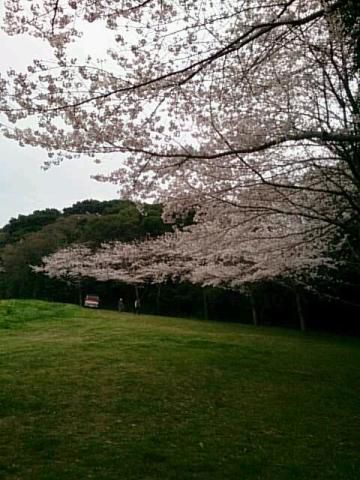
(249, 118)
(350, 14)
(18, 227)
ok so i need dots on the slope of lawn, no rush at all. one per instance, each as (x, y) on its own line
(101, 395)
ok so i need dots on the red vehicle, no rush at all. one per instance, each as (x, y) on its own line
(92, 301)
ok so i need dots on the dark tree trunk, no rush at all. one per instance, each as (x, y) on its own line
(300, 312)
(205, 305)
(255, 318)
(158, 293)
(80, 293)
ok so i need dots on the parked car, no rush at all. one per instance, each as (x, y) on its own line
(92, 301)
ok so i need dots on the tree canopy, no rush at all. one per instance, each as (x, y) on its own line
(245, 113)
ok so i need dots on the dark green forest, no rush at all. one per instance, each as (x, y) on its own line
(26, 239)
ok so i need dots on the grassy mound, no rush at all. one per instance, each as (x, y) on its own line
(95, 394)
(14, 313)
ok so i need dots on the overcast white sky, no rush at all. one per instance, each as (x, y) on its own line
(24, 186)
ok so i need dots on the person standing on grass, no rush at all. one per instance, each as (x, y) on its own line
(121, 306)
(137, 306)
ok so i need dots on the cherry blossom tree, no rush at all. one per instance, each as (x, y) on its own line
(245, 113)
(249, 251)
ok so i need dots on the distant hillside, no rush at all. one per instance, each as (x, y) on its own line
(110, 220)
(27, 238)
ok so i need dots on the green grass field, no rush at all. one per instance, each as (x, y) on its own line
(101, 395)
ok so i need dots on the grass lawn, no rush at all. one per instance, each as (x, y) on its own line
(99, 395)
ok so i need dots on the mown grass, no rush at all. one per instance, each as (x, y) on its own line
(94, 394)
